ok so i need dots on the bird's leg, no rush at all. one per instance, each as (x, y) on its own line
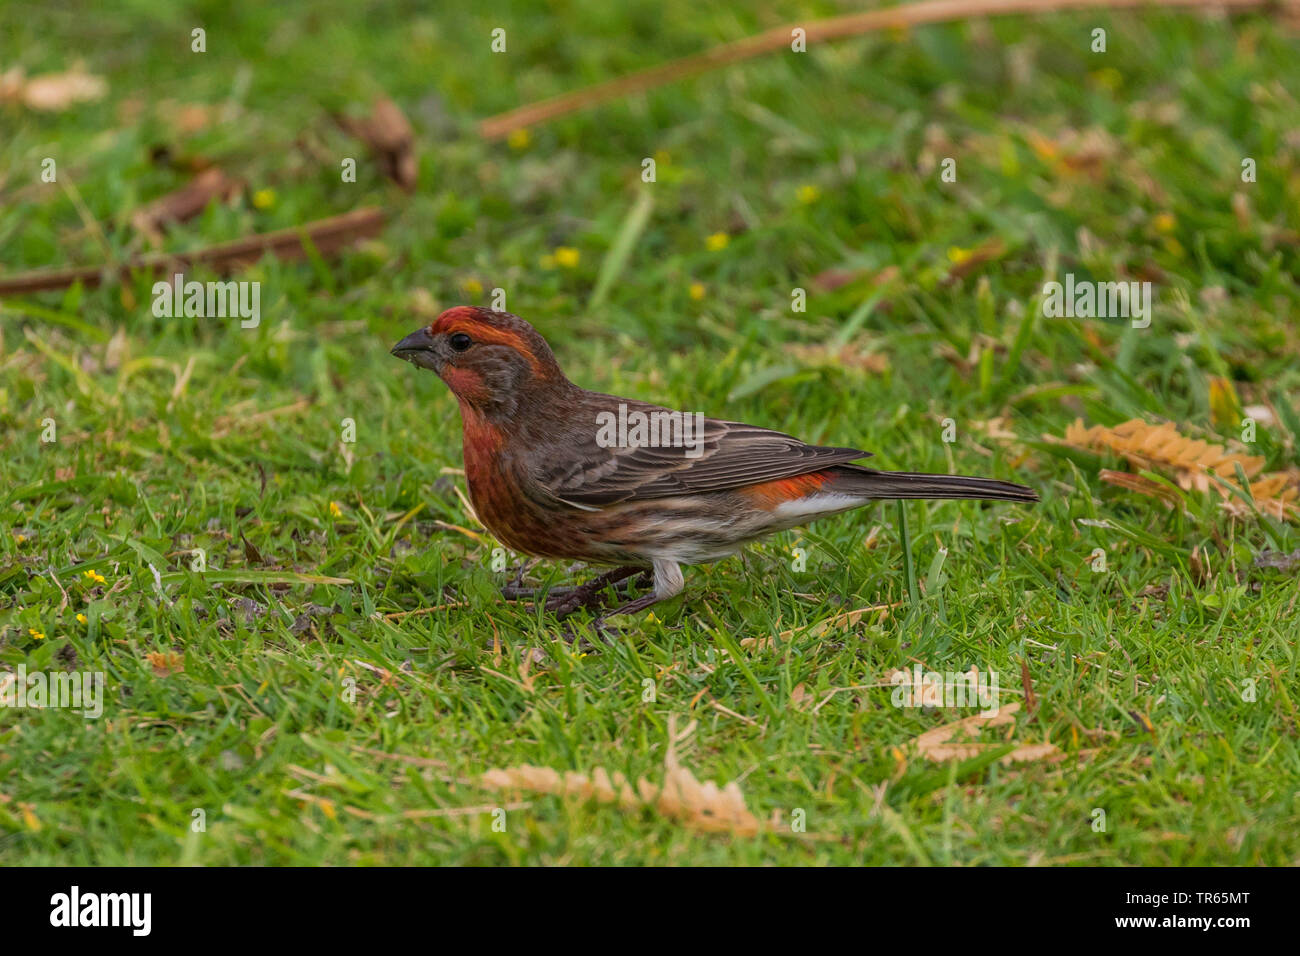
(515, 590)
(589, 594)
(523, 569)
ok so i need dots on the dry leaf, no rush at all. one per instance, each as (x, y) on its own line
(829, 280)
(166, 663)
(846, 356)
(1191, 462)
(52, 92)
(844, 620)
(937, 744)
(1157, 447)
(185, 203)
(966, 261)
(799, 696)
(995, 428)
(701, 806)
(387, 133)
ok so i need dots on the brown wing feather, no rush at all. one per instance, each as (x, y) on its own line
(733, 455)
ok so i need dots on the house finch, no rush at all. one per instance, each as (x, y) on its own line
(556, 471)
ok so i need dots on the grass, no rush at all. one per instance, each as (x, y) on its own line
(280, 731)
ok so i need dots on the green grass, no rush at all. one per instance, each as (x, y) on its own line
(181, 434)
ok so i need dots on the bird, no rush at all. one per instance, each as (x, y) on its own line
(559, 472)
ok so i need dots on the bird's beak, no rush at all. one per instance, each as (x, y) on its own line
(418, 349)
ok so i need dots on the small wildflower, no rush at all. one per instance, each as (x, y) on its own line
(335, 510)
(957, 255)
(1164, 222)
(20, 538)
(717, 242)
(697, 291)
(651, 619)
(518, 139)
(264, 198)
(81, 618)
(1108, 78)
(808, 194)
(471, 286)
(567, 257)
(94, 577)
(39, 635)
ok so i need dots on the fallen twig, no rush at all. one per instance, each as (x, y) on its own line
(326, 236)
(834, 28)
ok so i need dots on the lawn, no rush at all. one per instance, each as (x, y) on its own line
(230, 524)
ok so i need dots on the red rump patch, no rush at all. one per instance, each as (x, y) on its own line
(769, 494)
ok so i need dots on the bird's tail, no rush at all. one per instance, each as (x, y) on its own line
(903, 484)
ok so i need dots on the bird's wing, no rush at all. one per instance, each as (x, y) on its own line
(589, 472)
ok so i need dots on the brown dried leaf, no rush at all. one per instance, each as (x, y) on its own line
(967, 261)
(995, 428)
(701, 806)
(389, 135)
(1191, 462)
(937, 744)
(846, 356)
(165, 663)
(1161, 447)
(844, 620)
(828, 280)
(52, 92)
(185, 203)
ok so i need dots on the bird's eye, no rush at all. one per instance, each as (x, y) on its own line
(460, 342)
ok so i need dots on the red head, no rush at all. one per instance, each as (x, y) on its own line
(488, 359)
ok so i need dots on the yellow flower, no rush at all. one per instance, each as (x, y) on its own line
(567, 257)
(20, 538)
(39, 635)
(335, 510)
(651, 619)
(94, 577)
(1107, 78)
(697, 291)
(471, 286)
(808, 194)
(958, 255)
(1164, 222)
(81, 619)
(518, 139)
(717, 241)
(264, 198)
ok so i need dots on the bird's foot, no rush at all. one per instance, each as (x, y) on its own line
(591, 594)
